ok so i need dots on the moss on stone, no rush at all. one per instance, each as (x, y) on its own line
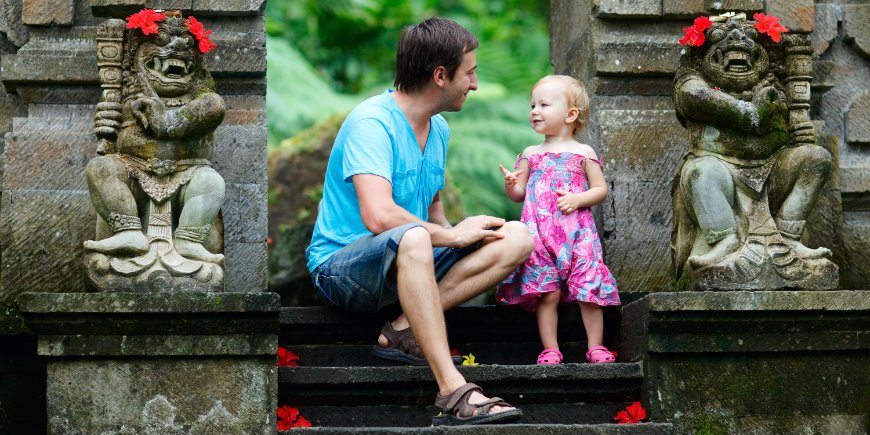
(11, 322)
(708, 425)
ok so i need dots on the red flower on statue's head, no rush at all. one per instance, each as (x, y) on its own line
(633, 413)
(769, 25)
(287, 358)
(201, 34)
(146, 19)
(694, 34)
(289, 417)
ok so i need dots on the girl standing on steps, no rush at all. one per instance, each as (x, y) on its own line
(559, 180)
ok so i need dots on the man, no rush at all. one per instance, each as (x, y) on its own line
(381, 233)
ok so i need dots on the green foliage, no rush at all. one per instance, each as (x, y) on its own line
(351, 44)
(297, 97)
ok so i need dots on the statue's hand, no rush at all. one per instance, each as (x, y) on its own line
(151, 114)
(107, 120)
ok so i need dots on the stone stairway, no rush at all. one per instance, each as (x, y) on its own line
(341, 388)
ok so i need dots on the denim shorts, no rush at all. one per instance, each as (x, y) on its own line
(361, 277)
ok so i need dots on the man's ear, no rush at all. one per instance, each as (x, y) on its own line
(573, 113)
(439, 76)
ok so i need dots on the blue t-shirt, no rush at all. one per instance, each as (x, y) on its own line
(376, 138)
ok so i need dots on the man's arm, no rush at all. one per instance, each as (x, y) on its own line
(436, 212)
(380, 213)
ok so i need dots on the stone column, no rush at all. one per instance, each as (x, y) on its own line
(175, 363)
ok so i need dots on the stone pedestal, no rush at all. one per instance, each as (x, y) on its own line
(168, 363)
(783, 362)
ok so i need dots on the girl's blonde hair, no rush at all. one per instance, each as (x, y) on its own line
(575, 93)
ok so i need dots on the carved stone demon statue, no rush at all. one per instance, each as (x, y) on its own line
(753, 171)
(156, 194)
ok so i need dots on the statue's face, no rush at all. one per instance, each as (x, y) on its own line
(169, 59)
(735, 60)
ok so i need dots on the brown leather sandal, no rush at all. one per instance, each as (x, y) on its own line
(456, 410)
(402, 347)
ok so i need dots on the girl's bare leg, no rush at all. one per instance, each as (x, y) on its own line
(548, 319)
(593, 321)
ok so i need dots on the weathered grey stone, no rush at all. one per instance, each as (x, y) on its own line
(684, 8)
(36, 61)
(728, 360)
(855, 178)
(10, 22)
(858, 120)
(627, 8)
(635, 48)
(797, 15)
(41, 94)
(856, 238)
(735, 5)
(240, 152)
(228, 7)
(824, 27)
(247, 268)
(855, 19)
(570, 37)
(184, 5)
(42, 232)
(115, 8)
(639, 148)
(47, 12)
(245, 213)
(47, 160)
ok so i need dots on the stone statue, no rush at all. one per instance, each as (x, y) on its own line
(743, 191)
(156, 194)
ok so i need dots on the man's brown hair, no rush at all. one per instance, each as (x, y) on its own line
(422, 48)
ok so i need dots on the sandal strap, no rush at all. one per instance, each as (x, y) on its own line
(402, 340)
(449, 402)
(597, 348)
(550, 350)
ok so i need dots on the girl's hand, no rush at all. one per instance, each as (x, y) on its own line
(567, 201)
(510, 178)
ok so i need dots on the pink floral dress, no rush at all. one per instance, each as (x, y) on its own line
(567, 256)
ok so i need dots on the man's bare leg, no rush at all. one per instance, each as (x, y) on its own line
(419, 297)
(479, 271)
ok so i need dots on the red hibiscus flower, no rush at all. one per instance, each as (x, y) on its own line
(288, 417)
(694, 35)
(201, 34)
(634, 413)
(768, 24)
(455, 352)
(287, 358)
(146, 19)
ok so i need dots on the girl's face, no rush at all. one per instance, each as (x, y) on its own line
(549, 114)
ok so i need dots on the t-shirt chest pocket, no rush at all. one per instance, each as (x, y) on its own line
(404, 186)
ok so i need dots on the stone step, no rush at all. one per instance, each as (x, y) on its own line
(504, 429)
(505, 353)
(480, 324)
(406, 385)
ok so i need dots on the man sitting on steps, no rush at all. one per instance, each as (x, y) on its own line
(381, 233)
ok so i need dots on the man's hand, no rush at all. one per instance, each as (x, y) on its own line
(510, 178)
(567, 202)
(475, 229)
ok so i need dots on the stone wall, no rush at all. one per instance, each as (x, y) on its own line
(626, 53)
(49, 70)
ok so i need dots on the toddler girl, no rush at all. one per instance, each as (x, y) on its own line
(559, 180)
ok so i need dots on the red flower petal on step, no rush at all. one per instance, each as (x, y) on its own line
(287, 358)
(633, 413)
(287, 416)
(301, 422)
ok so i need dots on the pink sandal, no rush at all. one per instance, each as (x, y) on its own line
(550, 356)
(599, 354)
